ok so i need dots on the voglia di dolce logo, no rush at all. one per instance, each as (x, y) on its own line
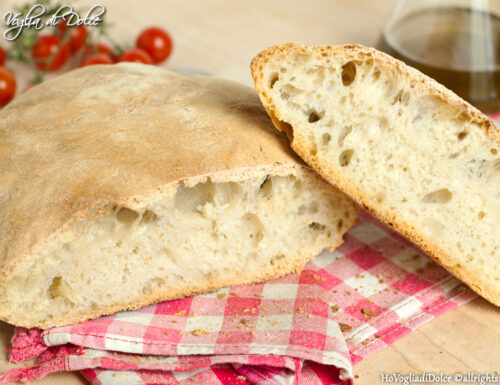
(34, 18)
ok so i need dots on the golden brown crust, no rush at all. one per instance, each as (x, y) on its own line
(356, 52)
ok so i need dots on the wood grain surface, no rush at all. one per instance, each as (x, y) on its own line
(221, 37)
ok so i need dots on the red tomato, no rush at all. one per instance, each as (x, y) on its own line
(7, 86)
(49, 54)
(100, 58)
(77, 35)
(99, 48)
(3, 56)
(156, 42)
(136, 55)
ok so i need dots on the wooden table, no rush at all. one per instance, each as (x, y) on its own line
(221, 37)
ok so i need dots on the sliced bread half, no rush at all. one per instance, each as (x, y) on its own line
(403, 146)
(126, 185)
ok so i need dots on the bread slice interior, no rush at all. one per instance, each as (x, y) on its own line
(198, 236)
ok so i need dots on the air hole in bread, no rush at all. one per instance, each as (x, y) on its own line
(345, 157)
(274, 78)
(276, 259)
(398, 97)
(481, 215)
(401, 97)
(346, 130)
(462, 135)
(494, 151)
(340, 224)
(348, 73)
(126, 216)
(266, 187)
(55, 287)
(254, 226)
(286, 128)
(439, 196)
(149, 216)
(317, 226)
(376, 74)
(325, 139)
(314, 117)
(190, 199)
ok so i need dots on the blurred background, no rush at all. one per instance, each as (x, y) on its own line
(222, 36)
(454, 41)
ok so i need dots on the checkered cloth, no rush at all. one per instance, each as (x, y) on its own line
(306, 328)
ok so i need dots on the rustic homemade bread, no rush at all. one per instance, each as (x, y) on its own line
(404, 147)
(128, 184)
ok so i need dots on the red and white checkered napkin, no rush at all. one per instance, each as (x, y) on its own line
(306, 329)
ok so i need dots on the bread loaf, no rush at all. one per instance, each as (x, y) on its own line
(403, 146)
(128, 184)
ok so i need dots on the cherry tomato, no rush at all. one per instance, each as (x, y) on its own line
(156, 42)
(136, 55)
(7, 86)
(49, 54)
(77, 35)
(3, 56)
(100, 58)
(92, 50)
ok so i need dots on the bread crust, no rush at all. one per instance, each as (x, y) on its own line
(385, 215)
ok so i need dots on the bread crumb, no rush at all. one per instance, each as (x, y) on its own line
(258, 295)
(199, 332)
(123, 330)
(334, 308)
(309, 315)
(180, 313)
(367, 312)
(344, 327)
(161, 235)
(242, 378)
(221, 295)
